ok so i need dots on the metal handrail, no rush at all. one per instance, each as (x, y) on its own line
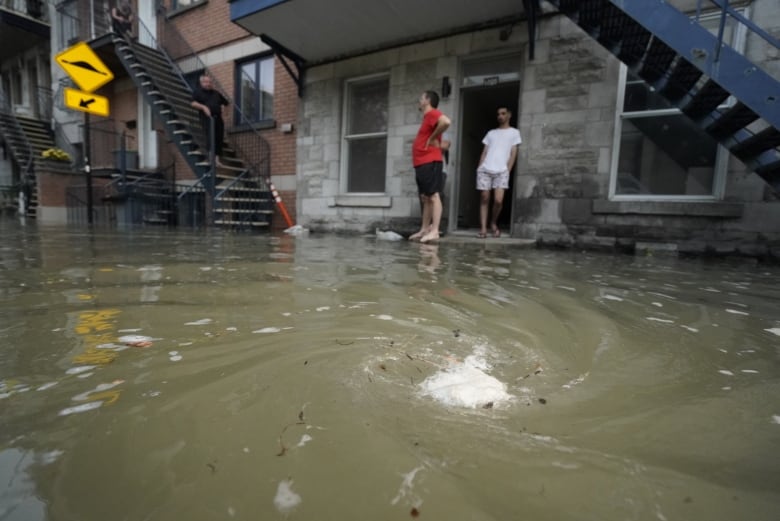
(726, 11)
(261, 171)
(7, 108)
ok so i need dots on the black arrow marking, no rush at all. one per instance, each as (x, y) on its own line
(86, 102)
(85, 65)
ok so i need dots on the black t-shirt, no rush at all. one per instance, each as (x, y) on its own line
(211, 98)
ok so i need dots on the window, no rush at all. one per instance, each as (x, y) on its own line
(364, 147)
(255, 90)
(660, 153)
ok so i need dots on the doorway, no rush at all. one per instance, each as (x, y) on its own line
(478, 115)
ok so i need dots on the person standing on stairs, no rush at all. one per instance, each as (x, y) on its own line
(122, 19)
(209, 102)
(498, 157)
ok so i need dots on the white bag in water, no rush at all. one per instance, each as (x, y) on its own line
(297, 230)
(387, 236)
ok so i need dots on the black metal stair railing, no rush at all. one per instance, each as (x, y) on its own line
(694, 70)
(21, 147)
(258, 170)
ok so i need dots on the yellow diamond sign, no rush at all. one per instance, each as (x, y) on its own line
(86, 102)
(84, 67)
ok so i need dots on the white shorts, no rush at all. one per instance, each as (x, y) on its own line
(489, 181)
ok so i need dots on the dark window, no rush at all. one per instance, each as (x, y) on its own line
(255, 90)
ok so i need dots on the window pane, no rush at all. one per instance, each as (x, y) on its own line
(267, 89)
(248, 96)
(367, 164)
(368, 107)
(665, 155)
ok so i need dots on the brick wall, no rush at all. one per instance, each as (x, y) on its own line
(206, 26)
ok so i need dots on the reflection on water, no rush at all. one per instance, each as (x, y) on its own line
(168, 375)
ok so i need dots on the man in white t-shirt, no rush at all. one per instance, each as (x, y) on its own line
(498, 158)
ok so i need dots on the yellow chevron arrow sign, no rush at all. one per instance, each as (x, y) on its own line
(86, 102)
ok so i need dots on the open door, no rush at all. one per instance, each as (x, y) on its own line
(478, 115)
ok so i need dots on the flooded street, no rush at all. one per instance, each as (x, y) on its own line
(150, 375)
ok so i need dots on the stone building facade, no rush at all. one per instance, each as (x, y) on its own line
(568, 103)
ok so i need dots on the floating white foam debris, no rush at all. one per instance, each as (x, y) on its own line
(384, 317)
(664, 295)
(726, 388)
(750, 371)
(776, 419)
(201, 322)
(45, 386)
(286, 314)
(689, 328)
(711, 290)
(466, 384)
(174, 356)
(657, 304)
(98, 389)
(722, 350)
(663, 320)
(205, 268)
(232, 329)
(80, 369)
(286, 499)
(567, 288)
(774, 330)
(566, 466)
(575, 381)
(726, 372)
(81, 408)
(406, 484)
(304, 440)
(613, 297)
(47, 458)
(84, 375)
(136, 330)
(152, 267)
(267, 330)
(736, 312)
(246, 449)
(323, 308)
(231, 512)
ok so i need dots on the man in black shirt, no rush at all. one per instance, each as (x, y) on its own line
(209, 102)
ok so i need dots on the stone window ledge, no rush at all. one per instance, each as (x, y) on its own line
(680, 208)
(370, 201)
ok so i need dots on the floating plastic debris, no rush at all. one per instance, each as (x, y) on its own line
(388, 235)
(174, 356)
(201, 322)
(384, 317)
(726, 372)
(736, 312)
(774, 330)
(267, 330)
(297, 230)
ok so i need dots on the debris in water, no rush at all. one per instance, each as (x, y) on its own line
(542, 401)
(488, 405)
(415, 512)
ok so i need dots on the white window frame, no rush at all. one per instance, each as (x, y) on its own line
(721, 156)
(347, 138)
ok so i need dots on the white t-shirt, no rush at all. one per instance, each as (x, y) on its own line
(499, 143)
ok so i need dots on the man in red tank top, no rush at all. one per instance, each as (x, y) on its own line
(427, 162)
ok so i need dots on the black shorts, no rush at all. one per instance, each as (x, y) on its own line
(429, 178)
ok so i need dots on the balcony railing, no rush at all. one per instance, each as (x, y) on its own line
(36, 9)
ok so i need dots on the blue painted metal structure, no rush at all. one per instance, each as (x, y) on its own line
(693, 69)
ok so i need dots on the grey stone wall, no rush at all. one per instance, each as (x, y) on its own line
(568, 119)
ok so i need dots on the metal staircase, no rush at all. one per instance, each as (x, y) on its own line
(25, 139)
(694, 70)
(235, 194)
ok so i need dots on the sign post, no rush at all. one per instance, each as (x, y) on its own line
(88, 72)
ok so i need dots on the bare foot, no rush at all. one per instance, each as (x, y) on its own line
(430, 236)
(417, 235)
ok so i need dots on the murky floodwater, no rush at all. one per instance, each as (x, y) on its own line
(168, 375)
